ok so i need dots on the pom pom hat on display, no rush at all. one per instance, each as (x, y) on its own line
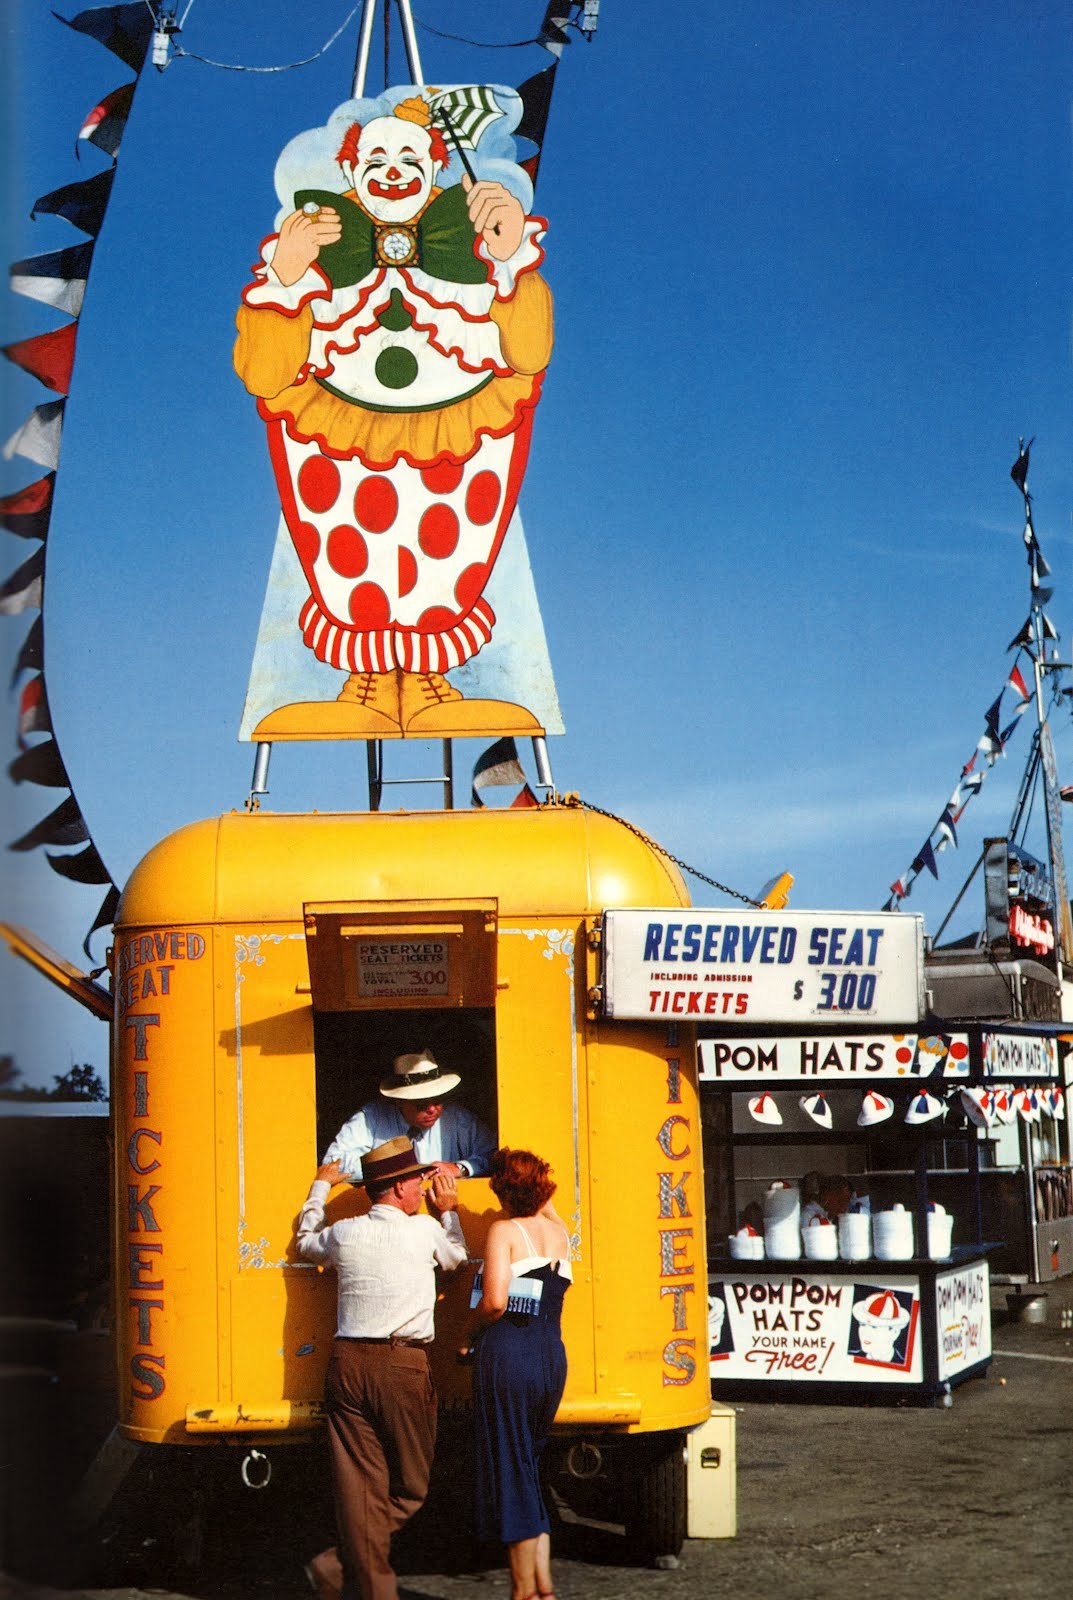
(977, 1106)
(875, 1108)
(815, 1105)
(418, 1077)
(924, 1107)
(764, 1109)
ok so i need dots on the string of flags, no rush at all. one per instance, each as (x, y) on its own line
(1031, 644)
(498, 766)
(57, 279)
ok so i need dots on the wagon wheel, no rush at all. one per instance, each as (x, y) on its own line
(655, 1502)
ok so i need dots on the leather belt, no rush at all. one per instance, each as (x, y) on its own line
(392, 1339)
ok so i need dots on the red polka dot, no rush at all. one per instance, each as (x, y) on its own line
(437, 533)
(482, 498)
(369, 606)
(469, 586)
(347, 551)
(442, 478)
(437, 619)
(958, 1050)
(376, 504)
(318, 483)
(903, 1054)
(407, 570)
(306, 542)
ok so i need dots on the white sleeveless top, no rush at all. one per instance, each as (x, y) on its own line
(532, 1261)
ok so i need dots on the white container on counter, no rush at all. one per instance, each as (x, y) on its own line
(746, 1245)
(782, 1222)
(855, 1236)
(820, 1240)
(892, 1234)
(940, 1231)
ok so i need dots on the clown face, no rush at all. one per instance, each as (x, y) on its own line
(394, 169)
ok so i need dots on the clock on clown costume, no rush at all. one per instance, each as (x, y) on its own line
(395, 335)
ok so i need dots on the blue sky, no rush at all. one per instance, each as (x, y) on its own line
(812, 276)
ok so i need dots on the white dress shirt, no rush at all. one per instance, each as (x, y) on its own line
(386, 1263)
(457, 1135)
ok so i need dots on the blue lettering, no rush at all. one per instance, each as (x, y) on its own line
(874, 936)
(691, 942)
(787, 945)
(855, 952)
(730, 941)
(711, 940)
(652, 939)
(750, 938)
(767, 947)
(670, 943)
(817, 946)
(835, 951)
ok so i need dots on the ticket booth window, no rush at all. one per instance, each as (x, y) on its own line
(394, 980)
(355, 1050)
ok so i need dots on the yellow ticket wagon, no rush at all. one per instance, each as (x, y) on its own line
(267, 968)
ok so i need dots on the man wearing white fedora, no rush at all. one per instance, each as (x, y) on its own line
(412, 1104)
(379, 1396)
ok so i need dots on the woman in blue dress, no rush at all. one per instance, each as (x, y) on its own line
(519, 1365)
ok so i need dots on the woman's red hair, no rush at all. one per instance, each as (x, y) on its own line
(521, 1181)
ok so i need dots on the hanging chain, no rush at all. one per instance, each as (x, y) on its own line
(694, 872)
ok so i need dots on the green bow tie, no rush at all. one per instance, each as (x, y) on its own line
(444, 240)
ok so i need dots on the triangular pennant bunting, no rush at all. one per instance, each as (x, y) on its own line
(26, 512)
(496, 766)
(536, 104)
(65, 825)
(39, 437)
(31, 658)
(85, 867)
(1019, 470)
(49, 357)
(57, 279)
(926, 858)
(105, 916)
(105, 124)
(22, 591)
(34, 714)
(124, 30)
(43, 764)
(82, 204)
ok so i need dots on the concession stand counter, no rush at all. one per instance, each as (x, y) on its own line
(819, 1057)
(905, 1115)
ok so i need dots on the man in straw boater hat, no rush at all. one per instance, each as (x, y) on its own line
(380, 1401)
(413, 1103)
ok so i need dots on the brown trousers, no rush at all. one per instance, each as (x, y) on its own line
(382, 1431)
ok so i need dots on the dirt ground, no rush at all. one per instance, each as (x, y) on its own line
(835, 1502)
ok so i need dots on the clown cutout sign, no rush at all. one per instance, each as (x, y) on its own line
(395, 336)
